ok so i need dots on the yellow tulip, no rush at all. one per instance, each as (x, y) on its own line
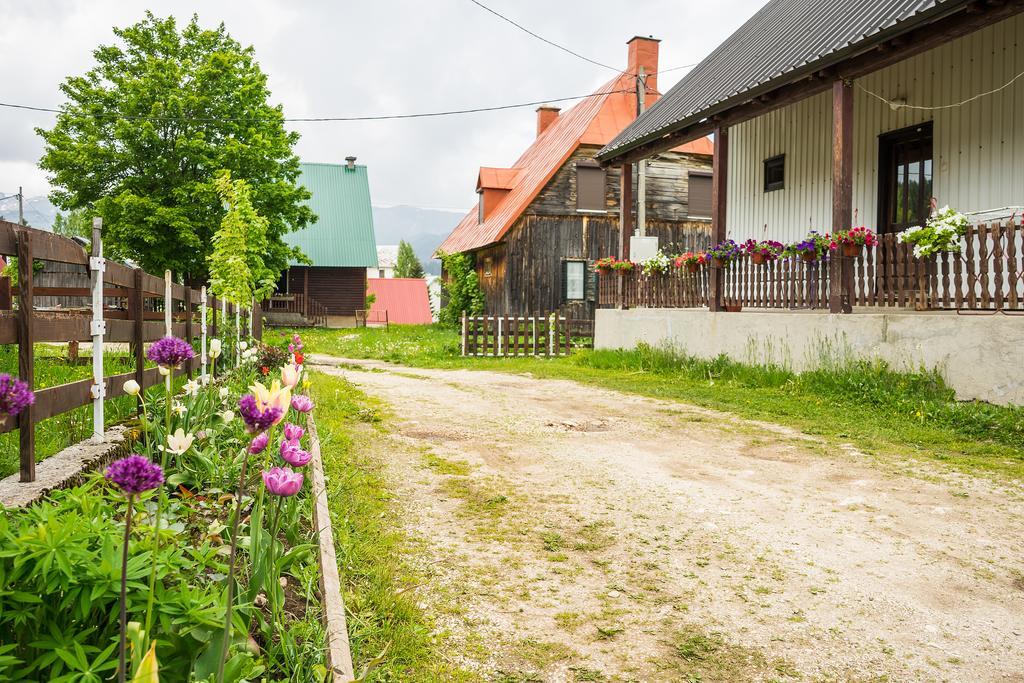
(274, 397)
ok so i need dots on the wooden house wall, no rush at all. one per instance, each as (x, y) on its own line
(341, 290)
(495, 285)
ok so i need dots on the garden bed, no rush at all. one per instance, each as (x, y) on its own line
(60, 571)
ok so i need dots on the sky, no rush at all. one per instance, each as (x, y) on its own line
(368, 57)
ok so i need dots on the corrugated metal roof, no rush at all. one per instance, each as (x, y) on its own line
(343, 234)
(784, 40)
(405, 300)
(593, 121)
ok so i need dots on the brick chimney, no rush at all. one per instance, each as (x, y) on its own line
(644, 52)
(545, 117)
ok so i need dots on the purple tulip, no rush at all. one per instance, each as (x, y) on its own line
(293, 454)
(15, 396)
(135, 474)
(302, 403)
(256, 420)
(259, 442)
(293, 432)
(282, 481)
(170, 352)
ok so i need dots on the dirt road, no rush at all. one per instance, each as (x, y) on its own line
(571, 533)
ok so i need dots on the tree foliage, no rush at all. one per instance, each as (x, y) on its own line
(461, 286)
(75, 223)
(144, 132)
(238, 271)
(407, 264)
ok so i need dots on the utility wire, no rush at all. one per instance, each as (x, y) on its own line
(564, 48)
(318, 119)
(903, 105)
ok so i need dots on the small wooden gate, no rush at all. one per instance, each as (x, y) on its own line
(520, 336)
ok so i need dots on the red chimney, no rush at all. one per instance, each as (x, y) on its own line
(643, 52)
(545, 117)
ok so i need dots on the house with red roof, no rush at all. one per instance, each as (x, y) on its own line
(540, 223)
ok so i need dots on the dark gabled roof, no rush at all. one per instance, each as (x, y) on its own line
(785, 40)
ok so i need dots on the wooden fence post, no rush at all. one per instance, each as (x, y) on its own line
(202, 332)
(138, 314)
(257, 332)
(97, 267)
(26, 357)
(168, 305)
(5, 293)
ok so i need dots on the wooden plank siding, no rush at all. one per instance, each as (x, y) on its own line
(342, 291)
(522, 275)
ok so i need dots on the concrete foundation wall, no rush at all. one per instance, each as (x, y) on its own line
(981, 357)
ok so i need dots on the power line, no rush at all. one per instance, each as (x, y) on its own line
(894, 104)
(319, 119)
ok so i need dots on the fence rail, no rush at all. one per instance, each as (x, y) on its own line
(987, 275)
(147, 308)
(521, 336)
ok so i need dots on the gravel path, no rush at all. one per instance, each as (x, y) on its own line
(572, 533)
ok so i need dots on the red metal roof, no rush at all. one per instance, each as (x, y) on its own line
(404, 299)
(593, 121)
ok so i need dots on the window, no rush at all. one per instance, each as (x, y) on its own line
(488, 266)
(699, 188)
(905, 177)
(574, 279)
(590, 192)
(380, 273)
(775, 173)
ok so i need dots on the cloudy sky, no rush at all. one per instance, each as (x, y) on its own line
(361, 57)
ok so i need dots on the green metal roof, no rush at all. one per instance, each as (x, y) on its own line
(343, 234)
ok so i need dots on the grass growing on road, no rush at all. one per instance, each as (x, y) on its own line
(380, 586)
(866, 404)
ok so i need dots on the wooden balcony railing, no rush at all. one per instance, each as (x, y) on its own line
(309, 308)
(987, 275)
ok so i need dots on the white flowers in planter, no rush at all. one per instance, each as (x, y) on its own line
(941, 233)
(660, 263)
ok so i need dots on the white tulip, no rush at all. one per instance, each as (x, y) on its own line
(215, 348)
(243, 345)
(178, 442)
(132, 388)
(163, 371)
(224, 393)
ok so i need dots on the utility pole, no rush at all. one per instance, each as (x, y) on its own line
(641, 167)
(21, 206)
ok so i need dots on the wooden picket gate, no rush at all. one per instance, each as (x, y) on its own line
(520, 336)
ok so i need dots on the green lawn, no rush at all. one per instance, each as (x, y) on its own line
(881, 412)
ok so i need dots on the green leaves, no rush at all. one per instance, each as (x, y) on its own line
(146, 129)
(462, 286)
(407, 264)
(238, 270)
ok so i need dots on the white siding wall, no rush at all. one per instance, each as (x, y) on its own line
(979, 147)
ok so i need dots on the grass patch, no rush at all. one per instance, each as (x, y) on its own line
(441, 465)
(879, 411)
(379, 584)
(706, 656)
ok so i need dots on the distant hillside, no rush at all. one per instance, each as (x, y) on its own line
(39, 212)
(424, 229)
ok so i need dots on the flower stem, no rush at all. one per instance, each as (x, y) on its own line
(122, 658)
(239, 492)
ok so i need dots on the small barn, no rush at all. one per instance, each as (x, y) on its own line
(341, 245)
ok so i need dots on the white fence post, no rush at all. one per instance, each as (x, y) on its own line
(252, 309)
(500, 349)
(552, 331)
(238, 334)
(465, 331)
(168, 304)
(202, 328)
(97, 328)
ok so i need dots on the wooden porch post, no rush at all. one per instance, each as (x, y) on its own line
(719, 185)
(625, 225)
(842, 189)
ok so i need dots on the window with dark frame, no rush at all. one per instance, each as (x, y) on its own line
(590, 186)
(775, 173)
(699, 194)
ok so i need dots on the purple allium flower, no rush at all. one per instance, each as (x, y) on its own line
(259, 442)
(170, 352)
(135, 474)
(256, 420)
(15, 396)
(302, 403)
(293, 432)
(282, 481)
(293, 454)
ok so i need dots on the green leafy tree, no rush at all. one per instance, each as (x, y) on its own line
(75, 223)
(144, 131)
(462, 287)
(407, 264)
(238, 271)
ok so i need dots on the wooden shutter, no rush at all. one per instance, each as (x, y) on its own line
(590, 190)
(700, 194)
(590, 282)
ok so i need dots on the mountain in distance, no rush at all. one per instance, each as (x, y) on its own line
(39, 212)
(424, 229)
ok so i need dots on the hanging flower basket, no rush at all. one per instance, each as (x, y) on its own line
(692, 267)
(852, 250)
(809, 256)
(757, 259)
(717, 262)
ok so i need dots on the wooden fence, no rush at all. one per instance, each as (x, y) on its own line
(314, 312)
(987, 275)
(520, 336)
(148, 308)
